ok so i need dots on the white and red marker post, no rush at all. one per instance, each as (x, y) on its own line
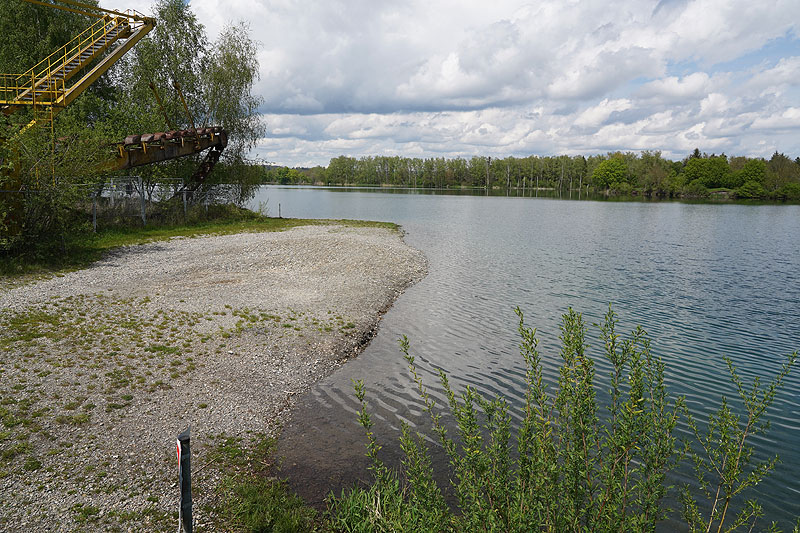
(185, 482)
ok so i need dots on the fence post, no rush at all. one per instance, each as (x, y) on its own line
(185, 483)
(94, 212)
(141, 196)
(113, 190)
(183, 190)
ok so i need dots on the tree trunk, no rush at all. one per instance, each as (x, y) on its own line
(488, 164)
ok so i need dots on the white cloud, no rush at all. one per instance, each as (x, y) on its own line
(788, 119)
(775, 79)
(509, 77)
(713, 31)
(675, 89)
(713, 105)
(596, 115)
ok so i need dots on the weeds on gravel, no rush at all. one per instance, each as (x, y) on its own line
(250, 499)
(84, 512)
(91, 350)
(574, 468)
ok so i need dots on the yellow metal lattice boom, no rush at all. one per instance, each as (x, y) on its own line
(48, 86)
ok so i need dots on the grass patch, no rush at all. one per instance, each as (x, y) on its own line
(148, 519)
(254, 501)
(29, 325)
(32, 463)
(8, 418)
(84, 512)
(73, 420)
(8, 454)
(160, 348)
(83, 249)
(267, 505)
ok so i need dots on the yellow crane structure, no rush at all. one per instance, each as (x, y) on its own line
(51, 85)
(56, 81)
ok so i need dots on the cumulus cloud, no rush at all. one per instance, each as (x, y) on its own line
(673, 89)
(598, 114)
(508, 77)
(788, 119)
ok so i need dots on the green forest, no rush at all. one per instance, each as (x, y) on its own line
(699, 175)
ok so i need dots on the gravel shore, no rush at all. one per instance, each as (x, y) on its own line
(101, 368)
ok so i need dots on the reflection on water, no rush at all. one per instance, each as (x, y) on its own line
(704, 280)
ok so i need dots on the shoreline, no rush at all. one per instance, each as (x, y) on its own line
(717, 196)
(103, 367)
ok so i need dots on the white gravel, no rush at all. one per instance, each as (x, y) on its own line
(101, 368)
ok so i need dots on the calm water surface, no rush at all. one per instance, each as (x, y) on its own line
(704, 280)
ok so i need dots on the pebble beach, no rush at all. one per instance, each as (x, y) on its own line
(101, 368)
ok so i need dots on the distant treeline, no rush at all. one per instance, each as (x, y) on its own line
(646, 173)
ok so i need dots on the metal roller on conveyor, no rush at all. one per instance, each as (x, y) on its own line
(138, 150)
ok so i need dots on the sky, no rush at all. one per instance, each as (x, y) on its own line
(457, 78)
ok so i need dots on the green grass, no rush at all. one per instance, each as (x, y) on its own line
(156, 348)
(84, 249)
(253, 500)
(73, 420)
(84, 512)
(267, 505)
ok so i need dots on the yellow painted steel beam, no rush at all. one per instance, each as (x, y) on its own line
(93, 75)
(92, 10)
(54, 71)
(63, 8)
(81, 85)
(161, 106)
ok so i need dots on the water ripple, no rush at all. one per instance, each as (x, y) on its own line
(705, 281)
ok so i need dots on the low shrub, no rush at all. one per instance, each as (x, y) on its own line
(575, 466)
(751, 189)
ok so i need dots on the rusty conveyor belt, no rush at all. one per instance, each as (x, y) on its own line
(138, 150)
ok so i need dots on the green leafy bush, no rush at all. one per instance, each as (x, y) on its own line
(575, 467)
(609, 171)
(751, 189)
(695, 189)
(790, 191)
(621, 187)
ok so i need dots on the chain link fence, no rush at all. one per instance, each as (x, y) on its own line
(127, 200)
(120, 199)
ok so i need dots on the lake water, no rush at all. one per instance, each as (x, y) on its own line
(704, 280)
